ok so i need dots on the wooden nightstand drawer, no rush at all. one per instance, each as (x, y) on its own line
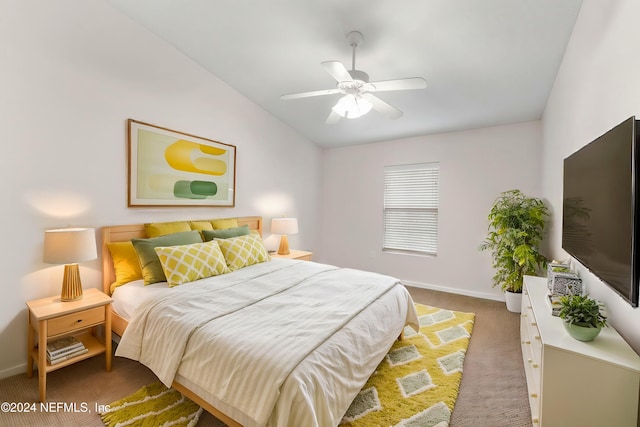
(75, 321)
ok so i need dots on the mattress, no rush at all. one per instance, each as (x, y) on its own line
(311, 364)
(128, 297)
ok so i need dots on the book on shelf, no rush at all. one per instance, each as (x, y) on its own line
(63, 346)
(67, 356)
(553, 301)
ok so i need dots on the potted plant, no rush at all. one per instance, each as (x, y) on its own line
(516, 229)
(582, 316)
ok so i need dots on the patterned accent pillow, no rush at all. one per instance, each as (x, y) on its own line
(243, 251)
(187, 263)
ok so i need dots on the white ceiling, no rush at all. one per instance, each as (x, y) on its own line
(486, 62)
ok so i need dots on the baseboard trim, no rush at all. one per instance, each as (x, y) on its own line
(447, 289)
(16, 370)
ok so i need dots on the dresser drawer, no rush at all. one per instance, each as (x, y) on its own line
(533, 334)
(531, 355)
(75, 321)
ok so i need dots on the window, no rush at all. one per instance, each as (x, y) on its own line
(411, 208)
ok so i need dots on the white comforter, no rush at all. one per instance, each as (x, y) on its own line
(279, 343)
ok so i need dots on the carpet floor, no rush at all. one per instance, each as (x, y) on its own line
(492, 393)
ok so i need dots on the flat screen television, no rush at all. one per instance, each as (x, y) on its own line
(600, 208)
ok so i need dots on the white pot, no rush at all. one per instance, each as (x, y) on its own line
(514, 301)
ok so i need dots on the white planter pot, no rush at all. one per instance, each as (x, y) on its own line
(514, 301)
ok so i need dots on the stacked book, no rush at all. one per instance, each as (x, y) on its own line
(554, 304)
(64, 349)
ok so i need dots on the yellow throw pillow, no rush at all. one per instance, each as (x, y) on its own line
(156, 229)
(125, 263)
(223, 224)
(243, 251)
(201, 225)
(186, 263)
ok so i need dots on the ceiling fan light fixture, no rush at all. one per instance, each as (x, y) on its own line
(352, 106)
(358, 92)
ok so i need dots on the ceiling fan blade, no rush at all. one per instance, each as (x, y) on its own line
(309, 94)
(333, 118)
(399, 84)
(337, 71)
(382, 107)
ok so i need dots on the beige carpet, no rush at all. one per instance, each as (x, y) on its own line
(492, 393)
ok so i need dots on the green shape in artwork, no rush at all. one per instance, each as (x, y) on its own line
(194, 189)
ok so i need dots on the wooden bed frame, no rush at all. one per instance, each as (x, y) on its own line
(123, 233)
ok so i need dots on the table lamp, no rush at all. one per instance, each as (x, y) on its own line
(69, 246)
(284, 226)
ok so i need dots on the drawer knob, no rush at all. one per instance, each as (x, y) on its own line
(526, 342)
(535, 421)
(537, 337)
(534, 324)
(535, 365)
(529, 307)
(534, 395)
(79, 320)
(530, 360)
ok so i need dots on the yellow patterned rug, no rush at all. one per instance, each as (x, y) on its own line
(417, 383)
(153, 405)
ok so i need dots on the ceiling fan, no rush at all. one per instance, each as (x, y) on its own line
(354, 84)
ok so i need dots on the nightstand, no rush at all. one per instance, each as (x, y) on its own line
(303, 255)
(51, 318)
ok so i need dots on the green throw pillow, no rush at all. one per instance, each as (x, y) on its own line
(225, 234)
(149, 261)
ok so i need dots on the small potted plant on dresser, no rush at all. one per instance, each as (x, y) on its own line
(582, 316)
(516, 229)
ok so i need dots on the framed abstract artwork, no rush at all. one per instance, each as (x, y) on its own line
(170, 168)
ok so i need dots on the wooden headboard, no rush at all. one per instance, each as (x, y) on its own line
(123, 233)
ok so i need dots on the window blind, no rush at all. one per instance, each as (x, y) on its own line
(411, 195)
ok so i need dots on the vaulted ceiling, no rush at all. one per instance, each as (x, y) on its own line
(486, 62)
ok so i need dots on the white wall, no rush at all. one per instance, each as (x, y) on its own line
(597, 87)
(72, 72)
(475, 166)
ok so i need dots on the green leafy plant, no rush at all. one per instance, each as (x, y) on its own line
(516, 229)
(581, 310)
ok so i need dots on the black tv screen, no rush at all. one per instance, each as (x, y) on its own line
(599, 208)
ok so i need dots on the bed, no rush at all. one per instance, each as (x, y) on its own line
(271, 344)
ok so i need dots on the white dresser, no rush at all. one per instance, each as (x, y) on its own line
(574, 383)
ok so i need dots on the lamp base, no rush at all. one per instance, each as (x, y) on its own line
(284, 246)
(71, 285)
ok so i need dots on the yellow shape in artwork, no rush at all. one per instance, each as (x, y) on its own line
(179, 156)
